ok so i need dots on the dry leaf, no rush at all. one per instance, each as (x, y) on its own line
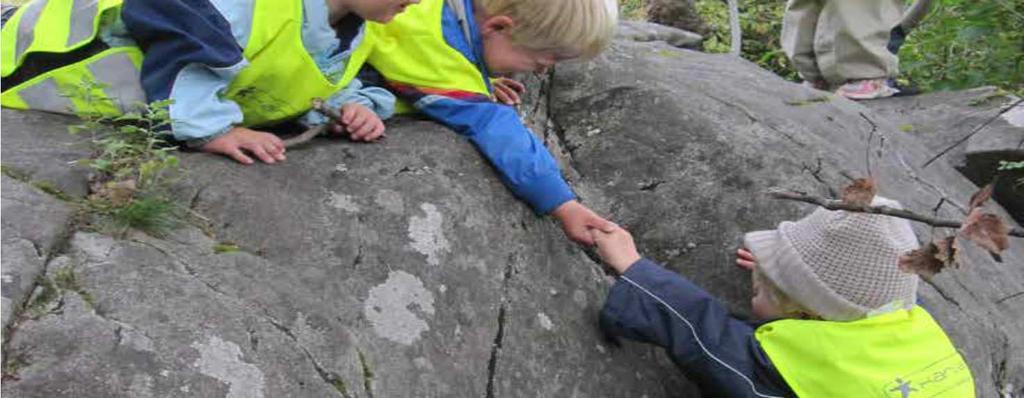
(948, 253)
(860, 192)
(988, 231)
(922, 261)
(119, 193)
(979, 198)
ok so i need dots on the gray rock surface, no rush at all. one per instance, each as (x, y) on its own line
(647, 31)
(405, 268)
(45, 153)
(34, 225)
(972, 130)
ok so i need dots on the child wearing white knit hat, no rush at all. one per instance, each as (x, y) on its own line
(838, 317)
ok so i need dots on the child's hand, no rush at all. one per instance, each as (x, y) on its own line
(507, 91)
(360, 122)
(616, 247)
(745, 259)
(239, 140)
(576, 219)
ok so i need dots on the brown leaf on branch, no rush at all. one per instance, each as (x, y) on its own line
(931, 258)
(860, 192)
(979, 198)
(948, 252)
(988, 231)
(922, 261)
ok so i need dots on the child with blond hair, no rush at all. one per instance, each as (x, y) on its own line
(837, 318)
(450, 59)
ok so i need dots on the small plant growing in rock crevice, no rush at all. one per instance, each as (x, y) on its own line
(1014, 168)
(135, 166)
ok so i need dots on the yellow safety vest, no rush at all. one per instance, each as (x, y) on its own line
(104, 83)
(278, 84)
(899, 354)
(411, 50)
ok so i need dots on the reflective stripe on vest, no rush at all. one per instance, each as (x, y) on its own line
(282, 79)
(104, 84)
(899, 354)
(51, 26)
(411, 50)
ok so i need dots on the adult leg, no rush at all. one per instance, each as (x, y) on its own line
(798, 26)
(850, 43)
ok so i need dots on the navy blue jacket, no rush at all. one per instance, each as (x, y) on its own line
(713, 349)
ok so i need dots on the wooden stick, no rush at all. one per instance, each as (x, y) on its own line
(832, 204)
(305, 137)
(320, 106)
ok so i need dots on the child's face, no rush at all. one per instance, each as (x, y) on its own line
(762, 304)
(381, 11)
(504, 57)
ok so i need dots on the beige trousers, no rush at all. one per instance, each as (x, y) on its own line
(841, 40)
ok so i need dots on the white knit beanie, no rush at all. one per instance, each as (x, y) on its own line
(840, 265)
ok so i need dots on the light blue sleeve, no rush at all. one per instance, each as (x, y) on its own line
(199, 112)
(379, 100)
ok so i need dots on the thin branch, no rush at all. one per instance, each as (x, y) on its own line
(871, 137)
(305, 137)
(320, 106)
(973, 132)
(832, 204)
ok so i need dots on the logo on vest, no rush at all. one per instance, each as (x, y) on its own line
(904, 388)
(932, 380)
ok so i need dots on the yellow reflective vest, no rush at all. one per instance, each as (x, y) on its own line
(411, 50)
(278, 84)
(899, 354)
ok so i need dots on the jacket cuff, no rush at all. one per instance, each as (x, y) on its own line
(620, 291)
(546, 193)
(197, 143)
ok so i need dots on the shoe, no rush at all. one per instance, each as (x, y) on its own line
(816, 84)
(866, 89)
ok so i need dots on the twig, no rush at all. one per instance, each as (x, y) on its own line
(305, 137)
(320, 106)
(832, 204)
(867, 149)
(973, 132)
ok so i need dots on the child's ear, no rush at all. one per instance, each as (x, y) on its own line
(496, 24)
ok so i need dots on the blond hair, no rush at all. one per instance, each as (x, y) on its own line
(579, 28)
(786, 305)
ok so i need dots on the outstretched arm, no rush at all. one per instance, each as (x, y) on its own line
(654, 305)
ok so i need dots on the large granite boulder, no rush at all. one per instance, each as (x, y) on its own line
(404, 268)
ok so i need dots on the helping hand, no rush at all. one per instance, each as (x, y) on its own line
(616, 247)
(265, 146)
(576, 219)
(507, 91)
(745, 259)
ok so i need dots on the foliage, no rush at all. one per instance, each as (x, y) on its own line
(960, 44)
(632, 9)
(135, 167)
(965, 44)
(761, 23)
(1013, 167)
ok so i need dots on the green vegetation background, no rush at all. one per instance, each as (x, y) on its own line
(961, 44)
